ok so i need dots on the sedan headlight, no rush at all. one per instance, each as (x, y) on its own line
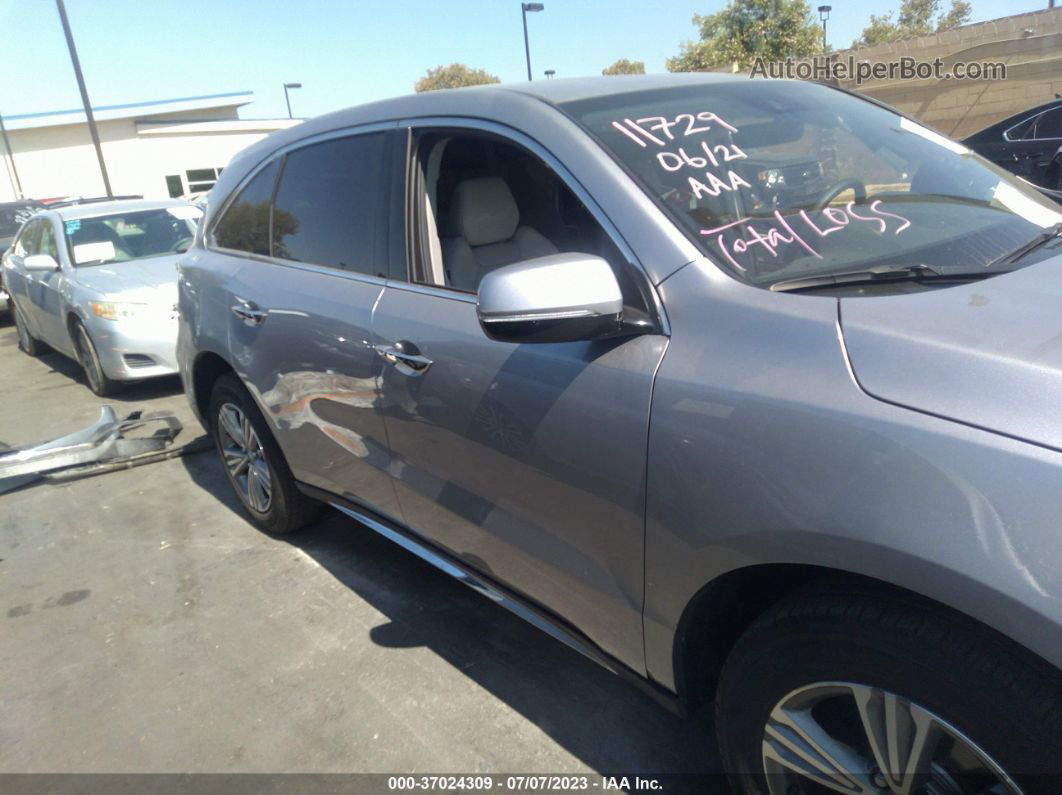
(110, 310)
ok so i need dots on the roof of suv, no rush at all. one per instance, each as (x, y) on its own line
(487, 101)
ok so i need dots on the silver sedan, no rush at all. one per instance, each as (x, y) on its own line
(98, 283)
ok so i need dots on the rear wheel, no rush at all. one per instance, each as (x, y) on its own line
(89, 359)
(253, 462)
(861, 691)
(27, 343)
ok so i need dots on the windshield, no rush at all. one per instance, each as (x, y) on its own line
(132, 235)
(783, 179)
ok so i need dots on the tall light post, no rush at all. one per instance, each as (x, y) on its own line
(824, 14)
(524, 8)
(16, 183)
(84, 96)
(288, 99)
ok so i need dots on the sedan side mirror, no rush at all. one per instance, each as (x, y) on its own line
(557, 298)
(40, 262)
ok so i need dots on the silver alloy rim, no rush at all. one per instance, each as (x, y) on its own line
(20, 327)
(244, 458)
(88, 360)
(846, 737)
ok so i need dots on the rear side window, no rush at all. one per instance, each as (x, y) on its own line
(46, 243)
(245, 224)
(328, 203)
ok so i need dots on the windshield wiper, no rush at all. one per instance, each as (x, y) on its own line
(1041, 239)
(881, 274)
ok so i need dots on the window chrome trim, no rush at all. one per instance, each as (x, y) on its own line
(538, 150)
(433, 289)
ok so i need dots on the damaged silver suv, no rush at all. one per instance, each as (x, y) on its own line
(747, 390)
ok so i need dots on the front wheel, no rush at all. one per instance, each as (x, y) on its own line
(254, 463)
(856, 690)
(89, 359)
(27, 343)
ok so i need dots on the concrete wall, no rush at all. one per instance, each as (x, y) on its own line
(1029, 44)
(61, 161)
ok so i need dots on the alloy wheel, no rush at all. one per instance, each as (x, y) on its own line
(20, 327)
(244, 458)
(846, 737)
(88, 359)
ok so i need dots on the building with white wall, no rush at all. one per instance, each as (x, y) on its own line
(155, 149)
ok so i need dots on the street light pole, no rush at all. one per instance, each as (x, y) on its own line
(288, 99)
(524, 8)
(824, 14)
(11, 156)
(84, 96)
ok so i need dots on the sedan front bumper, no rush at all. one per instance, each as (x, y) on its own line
(136, 348)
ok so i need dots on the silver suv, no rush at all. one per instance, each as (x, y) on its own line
(747, 390)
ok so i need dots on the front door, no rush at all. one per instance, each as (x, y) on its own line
(526, 461)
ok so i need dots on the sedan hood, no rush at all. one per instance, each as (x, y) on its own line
(985, 353)
(152, 280)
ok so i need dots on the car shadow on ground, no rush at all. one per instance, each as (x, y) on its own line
(606, 723)
(131, 392)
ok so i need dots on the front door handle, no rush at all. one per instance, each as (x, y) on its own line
(405, 356)
(249, 313)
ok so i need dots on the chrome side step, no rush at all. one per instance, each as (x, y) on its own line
(552, 625)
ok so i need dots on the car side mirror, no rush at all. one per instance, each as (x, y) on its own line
(556, 298)
(40, 262)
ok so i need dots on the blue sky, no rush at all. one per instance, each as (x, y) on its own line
(344, 52)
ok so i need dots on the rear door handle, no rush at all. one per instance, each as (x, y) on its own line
(405, 356)
(249, 313)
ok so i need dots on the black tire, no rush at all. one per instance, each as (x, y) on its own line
(27, 343)
(288, 509)
(1001, 697)
(89, 359)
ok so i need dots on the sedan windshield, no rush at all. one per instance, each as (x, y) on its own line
(132, 235)
(781, 180)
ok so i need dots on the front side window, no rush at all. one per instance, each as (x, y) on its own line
(131, 235)
(784, 180)
(483, 202)
(27, 243)
(329, 202)
(46, 242)
(244, 226)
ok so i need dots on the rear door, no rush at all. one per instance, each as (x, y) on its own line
(16, 284)
(46, 289)
(309, 232)
(526, 461)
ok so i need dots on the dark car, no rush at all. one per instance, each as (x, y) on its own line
(1028, 144)
(12, 216)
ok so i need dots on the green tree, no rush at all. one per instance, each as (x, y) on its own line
(453, 76)
(625, 67)
(749, 29)
(915, 18)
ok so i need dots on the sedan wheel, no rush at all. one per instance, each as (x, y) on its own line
(26, 342)
(245, 458)
(846, 737)
(98, 381)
